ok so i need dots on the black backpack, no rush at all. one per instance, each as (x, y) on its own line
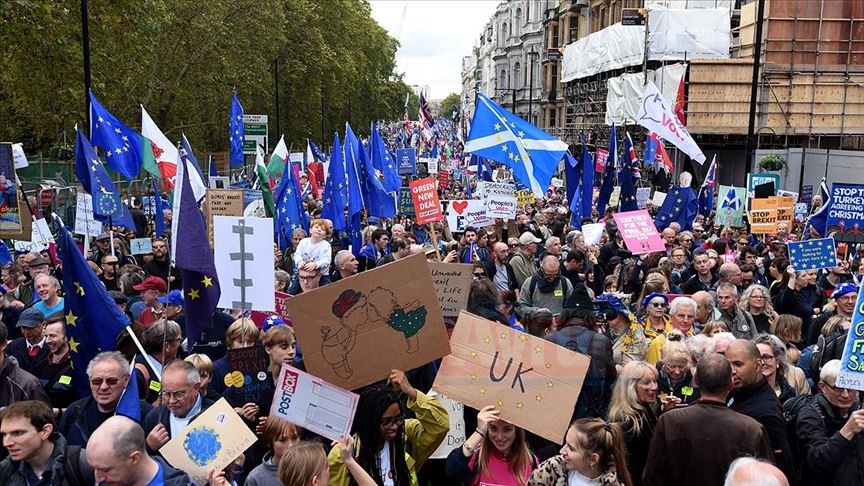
(826, 348)
(791, 409)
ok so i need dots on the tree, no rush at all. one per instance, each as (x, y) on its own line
(451, 103)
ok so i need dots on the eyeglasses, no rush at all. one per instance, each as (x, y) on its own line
(178, 395)
(307, 278)
(743, 243)
(837, 389)
(388, 421)
(513, 245)
(679, 255)
(658, 304)
(112, 381)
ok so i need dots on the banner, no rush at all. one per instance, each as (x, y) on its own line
(656, 115)
(452, 282)
(427, 208)
(639, 233)
(503, 207)
(486, 189)
(533, 382)
(406, 202)
(467, 212)
(84, 222)
(852, 364)
(846, 214)
(407, 161)
(313, 404)
(244, 252)
(812, 254)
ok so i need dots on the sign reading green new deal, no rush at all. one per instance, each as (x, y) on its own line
(256, 133)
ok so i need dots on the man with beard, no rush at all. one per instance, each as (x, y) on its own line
(160, 265)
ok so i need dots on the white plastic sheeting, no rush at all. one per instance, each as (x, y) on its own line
(625, 92)
(614, 47)
(691, 4)
(687, 34)
(674, 34)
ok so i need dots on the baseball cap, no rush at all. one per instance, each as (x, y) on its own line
(103, 237)
(38, 262)
(152, 283)
(175, 297)
(527, 238)
(30, 318)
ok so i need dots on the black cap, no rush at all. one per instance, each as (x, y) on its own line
(579, 301)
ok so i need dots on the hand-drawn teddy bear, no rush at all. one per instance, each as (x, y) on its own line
(350, 308)
(407, 319)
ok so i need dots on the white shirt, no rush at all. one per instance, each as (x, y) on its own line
(319, 252)
(576, 479)
(384, 459)
(178, 425)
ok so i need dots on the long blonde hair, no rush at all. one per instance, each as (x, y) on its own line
(519, 459)
(625, 404)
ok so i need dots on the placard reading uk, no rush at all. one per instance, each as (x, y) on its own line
(313, 404)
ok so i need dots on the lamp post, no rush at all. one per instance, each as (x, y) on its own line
(532, 54)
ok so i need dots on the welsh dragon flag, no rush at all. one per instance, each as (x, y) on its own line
(160, 155)
(263, 179)
(278, 160)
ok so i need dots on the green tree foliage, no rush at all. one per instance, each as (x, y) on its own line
(450, 104)
(180, 59)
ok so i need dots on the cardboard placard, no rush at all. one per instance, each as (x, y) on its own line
(452, 282)
(763, 216)
(244, 252)
(313, 404)
(211, 441)
(427, 207)
(812, 254)
(533, 382)
(222, 202)
(785, 209)
(347, 324)
(248, 380)
(467, 212)
(852, 363)
(639, 233)
(84, 222)
(503, 207)
(141, 246)
(456, 435)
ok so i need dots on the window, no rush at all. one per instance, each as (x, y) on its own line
(555, 37)
(517, 26)
(574, 29)
(553, 117)
(503, 33)
(517, 76)
(503, 80)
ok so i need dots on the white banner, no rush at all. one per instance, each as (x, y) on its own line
(468, 212)
(656, 116)
(486, 189)
(675, 34)
(84, 222)
(243, 251)
(40, 237)
(503, 207)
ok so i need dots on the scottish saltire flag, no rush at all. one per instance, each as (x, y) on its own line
(627, 201)
(819, 219)
(190, 249)
(608, 183)
(499, 135)
(160, 155)
(632, 158)
(334, 204)
(130, 401)
(107, 206)
(649, 157)
(236, 131)
(290, 213)
(121, 144)
(706, 193)
(159, 211)
(731, 200)
(383, 162)
(680, 206)
(196, 178)
(93, 320)
(355, 197)
(812, 254)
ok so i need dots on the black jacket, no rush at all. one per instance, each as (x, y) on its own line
(34, 365)
(829, 458)
(597, 387)
(73, 424)
(10, 471)
(17, 385)
(492, 269)
(161, 415)
(693, 284)
(760, 402)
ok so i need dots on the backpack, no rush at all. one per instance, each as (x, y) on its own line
(826, 348)
(791, 409)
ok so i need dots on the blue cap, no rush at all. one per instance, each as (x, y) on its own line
(175, 297)
(272, 321)
(30, 318)
(843, 289)
(648, 298)
(615, 303)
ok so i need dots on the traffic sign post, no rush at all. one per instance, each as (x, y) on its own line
(256, 127)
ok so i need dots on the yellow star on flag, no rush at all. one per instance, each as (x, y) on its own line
(504, 147)
(207, 281)
(79, 289)
(521, 134)
(71, 318)
(193, 294)
(510, 155)
(498, 138)
(73, 345)
(497, 126)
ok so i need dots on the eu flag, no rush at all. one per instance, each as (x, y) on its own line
(378, 202)
(130, 401)
(5, 256)
(680, 206)
(608, 173)
(819, 219)
(706, 193)
(93, 320)
(159, 211)
(334, 204)
(317, 153)
(121, 144)
(290, 213)
(236, 131)
(503, 137)
(96, 182)
(812, 254)
(383, 161)
(625, 179)
(355, 199)
(193, 257)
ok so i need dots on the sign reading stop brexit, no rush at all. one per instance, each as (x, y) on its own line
(427, 207)
(852, 364)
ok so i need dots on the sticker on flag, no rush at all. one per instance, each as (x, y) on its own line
(812, 254)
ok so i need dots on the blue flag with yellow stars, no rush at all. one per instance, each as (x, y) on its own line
(93, 320)
(608, 184)
(384, 162)
(625, 179)
(96, 181)
(334, 204)
(681, 206)
(355, 197)
(121, 144)
(236, 131)
(290, 213)
(194, 258)
(812, 254)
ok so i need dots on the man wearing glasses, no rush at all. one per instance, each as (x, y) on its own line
(309, 280)
(845, 295)
(828, 427)
(108, 373)
(181, 402)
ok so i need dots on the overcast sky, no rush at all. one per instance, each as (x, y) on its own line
(435, 35)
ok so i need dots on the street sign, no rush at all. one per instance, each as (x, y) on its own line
(633, 16)
(256, 133)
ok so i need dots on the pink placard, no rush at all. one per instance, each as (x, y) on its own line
(640, 235)
(600, 160)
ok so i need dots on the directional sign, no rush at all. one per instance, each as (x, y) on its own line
(256, 133)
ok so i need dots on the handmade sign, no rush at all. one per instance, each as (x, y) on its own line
(525, 197)
(141, 246)
(260, 318)
(222, 202)
(503, 207)
(486, 189)
(313, 404)
(592, 233)
(600, 158)
(211, 441)
(452, 282)
(84, 222)
(244, 250)
(642, 196)
(253, 204)
(10, 207)
(427, 208)
(730, 206)
(763, 216)
(846, 214)
(812, 254)
(406, 203)
(639, 233)
(456, 435)
(852, 363)
(347, 324)
(40, 237)
(431, 164)
(658, 199)
(533, 382)
(248, 380)
(467, 212)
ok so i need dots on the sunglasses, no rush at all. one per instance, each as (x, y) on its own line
(110, 381)
(658, 304)
(479, 275)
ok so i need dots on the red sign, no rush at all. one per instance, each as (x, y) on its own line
(600, 160)
(259, 317)
(443, 177)
(427, 207)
